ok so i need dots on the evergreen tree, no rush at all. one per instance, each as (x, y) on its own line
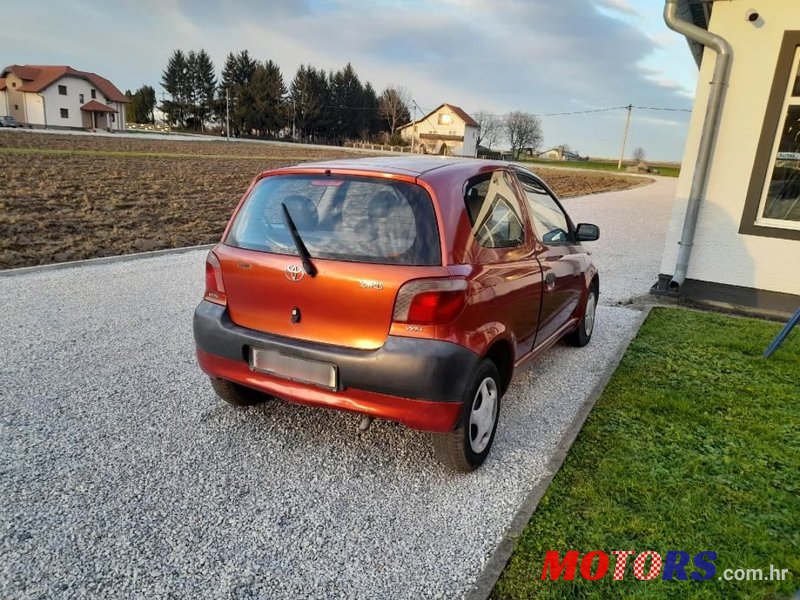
(174, 79)
(236, 76)
(372, 120)
(142, 103)
(347, 98)
(310, 99)
(204, 84)
(262, 100)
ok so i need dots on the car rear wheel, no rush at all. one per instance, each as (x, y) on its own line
(583, 334)
(236, 394)
(467, 446)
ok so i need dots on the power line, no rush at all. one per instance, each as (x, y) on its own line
(593, 110)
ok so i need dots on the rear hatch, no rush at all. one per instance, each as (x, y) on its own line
(365, 238)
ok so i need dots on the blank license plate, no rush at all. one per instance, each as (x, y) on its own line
(294, 368)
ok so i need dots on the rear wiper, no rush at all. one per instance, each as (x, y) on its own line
(305, 257)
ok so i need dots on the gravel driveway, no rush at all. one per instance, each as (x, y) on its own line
(123, 476)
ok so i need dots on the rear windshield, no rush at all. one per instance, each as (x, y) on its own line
(356, 219)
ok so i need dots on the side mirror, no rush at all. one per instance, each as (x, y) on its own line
(586, 232)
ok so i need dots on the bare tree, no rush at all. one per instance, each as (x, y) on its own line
(638, 154)
(523, 130)
(393, 107)
(490, 128)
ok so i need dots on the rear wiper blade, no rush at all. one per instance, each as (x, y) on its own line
(305, 257)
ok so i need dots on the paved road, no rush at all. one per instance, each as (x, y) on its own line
(633, 227)
(123, 476)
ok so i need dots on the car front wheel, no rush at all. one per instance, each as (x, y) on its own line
(467, 446)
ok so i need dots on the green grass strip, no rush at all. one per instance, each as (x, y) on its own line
(694, 446)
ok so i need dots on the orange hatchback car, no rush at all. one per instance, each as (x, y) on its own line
(402, 288)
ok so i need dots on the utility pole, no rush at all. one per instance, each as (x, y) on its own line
(625, 137)
(228, 113)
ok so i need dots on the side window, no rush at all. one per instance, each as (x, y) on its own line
(548, 219)
(494, 211)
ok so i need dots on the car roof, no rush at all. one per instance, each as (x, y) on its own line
(416, 165)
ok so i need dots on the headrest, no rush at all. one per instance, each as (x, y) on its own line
(303, 212)
(383, 203)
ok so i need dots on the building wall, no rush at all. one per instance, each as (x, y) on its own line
(76, 86)
(470, 146)
(721, 254)
(34, 109)
(4, 104)
(16, 99)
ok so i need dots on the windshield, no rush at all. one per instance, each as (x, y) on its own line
(357, 219)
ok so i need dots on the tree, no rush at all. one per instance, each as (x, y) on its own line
(236, 76)
(142, 104)
(638, 154)
(393, 107)
(523, 130)
(203, 85)
(347, 99)
(309, 96)
(262, 100)
(371, 109)
(491, 127)
(174, 79)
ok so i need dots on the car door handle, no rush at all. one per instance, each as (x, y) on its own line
(550, 282)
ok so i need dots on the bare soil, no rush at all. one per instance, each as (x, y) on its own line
(69, 197)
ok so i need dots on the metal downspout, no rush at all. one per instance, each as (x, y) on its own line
(716, 96)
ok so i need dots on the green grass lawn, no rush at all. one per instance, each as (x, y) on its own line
(596, 165)
(694, 446)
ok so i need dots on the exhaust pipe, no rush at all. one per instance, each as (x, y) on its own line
(716, 96)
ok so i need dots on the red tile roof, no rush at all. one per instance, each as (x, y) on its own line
(2, 84)
(95, 106)
(38, 77)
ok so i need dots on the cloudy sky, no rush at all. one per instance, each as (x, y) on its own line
(540, 56)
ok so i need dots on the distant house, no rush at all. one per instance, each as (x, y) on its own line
(446, 130)
(734, 238)
(61, 97)
(559, 153)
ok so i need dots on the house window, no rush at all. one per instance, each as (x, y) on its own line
(65, 113)
(13, 84)
(780, 200)
(62, 90)
(94, 94)
(445, 119)
(80, 98)
(113, 117)
(772, 202)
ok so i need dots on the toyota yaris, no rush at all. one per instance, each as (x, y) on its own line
(402, 288)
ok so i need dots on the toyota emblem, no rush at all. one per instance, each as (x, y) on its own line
(294, 273)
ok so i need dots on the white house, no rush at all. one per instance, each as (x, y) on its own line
(61, 97)
(734, 238)
(446, 130)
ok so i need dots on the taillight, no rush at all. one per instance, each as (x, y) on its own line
(215, 289)
(430, 301)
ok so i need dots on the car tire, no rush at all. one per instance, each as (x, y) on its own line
(583, 334)
(235, 394)
(467, 446)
